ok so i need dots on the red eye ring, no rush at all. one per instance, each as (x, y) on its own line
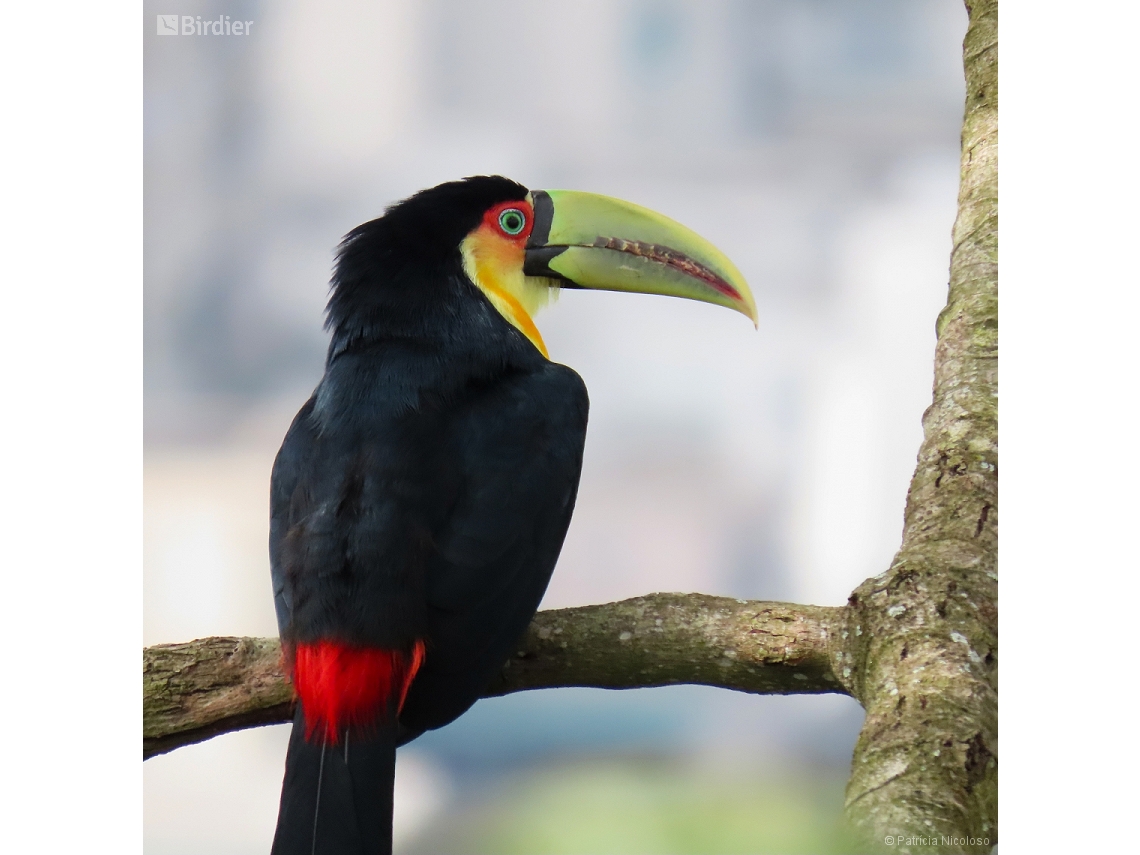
(512, 220)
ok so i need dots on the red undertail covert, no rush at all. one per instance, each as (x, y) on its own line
(341, 686)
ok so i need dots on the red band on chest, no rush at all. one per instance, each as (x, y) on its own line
(344, 686)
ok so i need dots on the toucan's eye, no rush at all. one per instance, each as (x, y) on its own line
(512, 221)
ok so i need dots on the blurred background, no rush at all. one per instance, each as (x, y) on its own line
(814, 141)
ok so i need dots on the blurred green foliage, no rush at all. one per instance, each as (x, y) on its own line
(643, 806)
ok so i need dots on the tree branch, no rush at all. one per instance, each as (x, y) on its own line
(200, 689)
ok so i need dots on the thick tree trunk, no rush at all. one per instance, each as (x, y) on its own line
(925, 662)
(916, 645)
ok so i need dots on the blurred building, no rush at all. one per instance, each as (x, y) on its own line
(814, 141)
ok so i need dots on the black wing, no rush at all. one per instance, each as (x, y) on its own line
(520, 449)
(357, 496)
(443, 524)
(288, 468)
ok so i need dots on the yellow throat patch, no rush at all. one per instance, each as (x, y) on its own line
(495, 265)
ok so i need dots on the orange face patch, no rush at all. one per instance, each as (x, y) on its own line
(493, 256)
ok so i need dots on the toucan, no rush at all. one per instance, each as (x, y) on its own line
(422, 494)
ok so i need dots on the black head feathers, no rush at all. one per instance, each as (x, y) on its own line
(391, 263)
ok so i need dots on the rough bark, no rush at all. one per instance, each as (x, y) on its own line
(204, 688)
(924, 662)
(200, 689)
(916, 645)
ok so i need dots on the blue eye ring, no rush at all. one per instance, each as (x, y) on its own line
(512, 221)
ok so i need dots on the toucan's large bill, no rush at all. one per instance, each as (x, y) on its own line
(593, 241)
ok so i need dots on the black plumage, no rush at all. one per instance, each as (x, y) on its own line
(423, 492)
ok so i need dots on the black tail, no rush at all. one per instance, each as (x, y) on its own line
(337, 799)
